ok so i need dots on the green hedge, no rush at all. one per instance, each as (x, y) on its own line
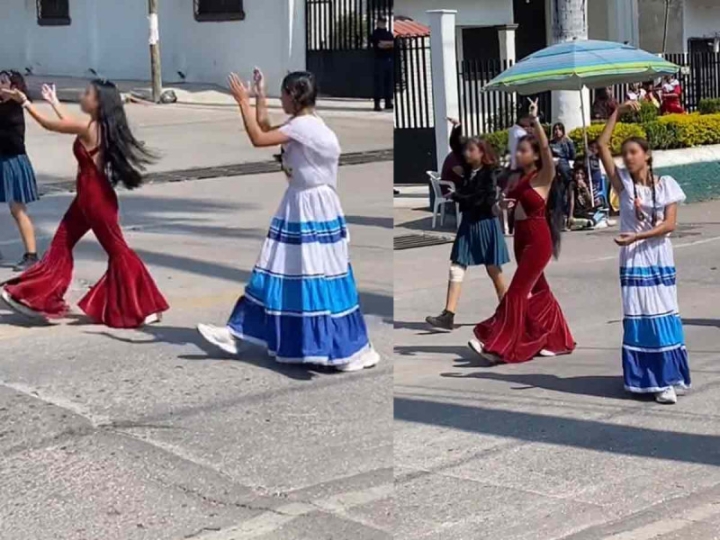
(709, 106)
(622, 132)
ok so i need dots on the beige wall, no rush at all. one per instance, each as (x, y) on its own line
(652, 23)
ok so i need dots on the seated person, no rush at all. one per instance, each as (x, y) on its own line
(453, 166)
(585, 212)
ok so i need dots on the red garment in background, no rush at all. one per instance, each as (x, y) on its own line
(529, 318)
(126, 294)
(452, 163)
(671, 103)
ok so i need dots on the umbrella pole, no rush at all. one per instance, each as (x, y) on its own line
(587, 147)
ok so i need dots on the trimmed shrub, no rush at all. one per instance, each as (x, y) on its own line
(647, 113)
(709, 106)
(694, 129)
(622, 132)
(498, 140)
(662, 135)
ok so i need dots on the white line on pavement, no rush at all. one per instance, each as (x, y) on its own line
(665, 526)
(271, 521)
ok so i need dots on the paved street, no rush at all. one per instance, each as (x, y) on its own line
(198, 136)
(150, 434)
(554, 449)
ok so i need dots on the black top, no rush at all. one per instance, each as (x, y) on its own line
(382, 34)
(478, 192)
(12, 129)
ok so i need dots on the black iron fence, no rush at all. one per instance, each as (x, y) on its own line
(339, 51)
(415, 149)
(485, 112)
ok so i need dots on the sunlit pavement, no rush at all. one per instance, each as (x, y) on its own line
(151, 434)
(554, 449)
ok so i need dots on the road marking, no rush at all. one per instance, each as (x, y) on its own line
(665, 526)
(272, 520)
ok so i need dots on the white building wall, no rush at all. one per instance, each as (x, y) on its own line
(702, 19)
(111, 37)
(469, 12)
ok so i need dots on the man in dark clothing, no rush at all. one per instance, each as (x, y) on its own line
(384, 46)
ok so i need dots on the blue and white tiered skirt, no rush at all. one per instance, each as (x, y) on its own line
(301, 302)
(653, 353)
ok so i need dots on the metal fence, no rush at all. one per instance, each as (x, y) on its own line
(485, 112)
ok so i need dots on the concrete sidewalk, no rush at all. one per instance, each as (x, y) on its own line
(196, 94)
(554, 449)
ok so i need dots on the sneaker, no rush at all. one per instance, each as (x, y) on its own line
(547, 354)
(444, 321)
(19, 308)
(666, 397)
(478, 348)
(681, 390)
(152, 319)
(365, 361)
(28, 260)
(221, 337)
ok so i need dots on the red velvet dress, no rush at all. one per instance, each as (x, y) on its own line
(126, 294)
(529, 318)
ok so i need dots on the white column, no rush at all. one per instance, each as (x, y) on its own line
(444, 76)
(623, 22)
(506, 35)
(295, 47)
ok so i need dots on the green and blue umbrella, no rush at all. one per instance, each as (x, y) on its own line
(581, 63)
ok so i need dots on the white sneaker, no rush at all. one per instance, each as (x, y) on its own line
(666, 397)
(221, 337)
(680, 390)
(152, 319)
(546, 354)
(368, 360)
(22, 309)
(478, 348)
(602, 224)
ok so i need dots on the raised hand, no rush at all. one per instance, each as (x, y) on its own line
(454, 121)
(49, 94)
(238, 89)
(630, 107)
(534, 109)
(12, 94)
(258, 85)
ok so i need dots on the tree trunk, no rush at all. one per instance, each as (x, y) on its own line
(569, 22)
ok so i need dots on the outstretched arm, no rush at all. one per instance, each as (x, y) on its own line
(258, 137)
(604, 144)
(64, 124)
(49, 94)
(547, 173)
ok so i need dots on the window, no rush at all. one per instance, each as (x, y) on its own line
(219, 10)
(53, 12)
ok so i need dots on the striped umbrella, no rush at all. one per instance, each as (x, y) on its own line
(581, 63)
(578, 64)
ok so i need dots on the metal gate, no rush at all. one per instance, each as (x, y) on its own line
(339, 51)
(415, 147)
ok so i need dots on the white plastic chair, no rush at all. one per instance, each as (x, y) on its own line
(440, 199)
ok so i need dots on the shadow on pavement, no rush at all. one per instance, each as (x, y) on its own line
(370, 221)
(598, 386)
(713, 323)
(611, 438)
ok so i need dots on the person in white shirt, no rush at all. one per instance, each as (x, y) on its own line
(517, 132)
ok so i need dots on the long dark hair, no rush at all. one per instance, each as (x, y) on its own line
(124, 157)
(554, 212)
(645, 145)
(302, 89)
(17, 81)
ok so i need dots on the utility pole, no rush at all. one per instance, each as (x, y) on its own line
(665, 28)
(155, 67)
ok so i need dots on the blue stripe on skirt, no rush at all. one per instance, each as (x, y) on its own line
(314, 339)
(17, 180)
(653, 332)
(329, 295)
(649, 371)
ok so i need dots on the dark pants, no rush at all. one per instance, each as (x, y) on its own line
(384, 82)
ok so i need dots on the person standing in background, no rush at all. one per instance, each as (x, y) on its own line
(517, 132)
(383, 44)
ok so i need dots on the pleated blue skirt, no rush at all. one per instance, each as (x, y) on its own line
(480, 243)
(17, 180)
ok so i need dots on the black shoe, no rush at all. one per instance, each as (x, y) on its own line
(444, 321)
(389, 107)
(28, 260)
(378, 108)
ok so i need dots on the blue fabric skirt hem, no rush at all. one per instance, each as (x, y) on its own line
(649, 371)
(480, 243)
(17, 180)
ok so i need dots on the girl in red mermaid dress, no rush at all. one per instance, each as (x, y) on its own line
(529, 322)
(107, 153)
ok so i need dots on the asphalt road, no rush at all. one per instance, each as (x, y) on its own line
(152, 435)
(554, 449)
